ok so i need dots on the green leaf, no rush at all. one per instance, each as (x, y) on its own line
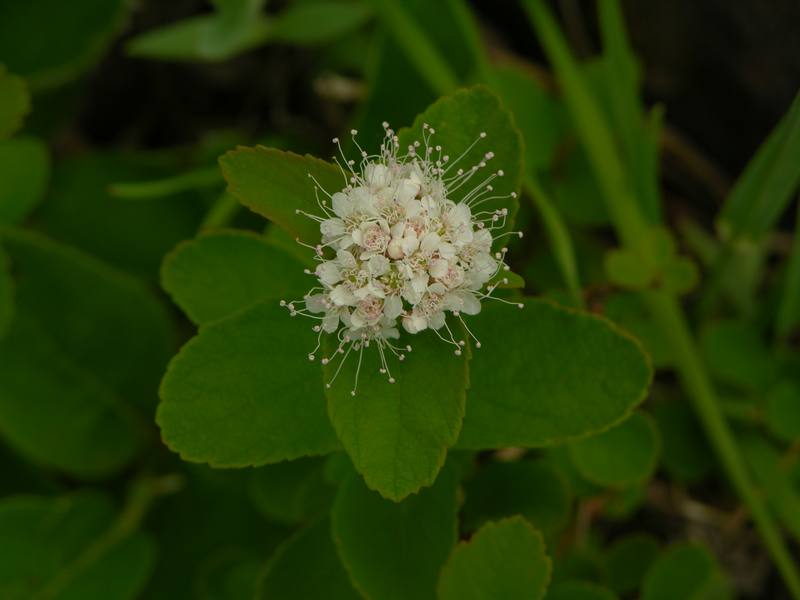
(318, 21)
(579, 375)
(505, 559)
(47, 550)
(578, 590)
(6, 293)
(24, 173)
(623, 455)
(243, 393)
(15, 102)
(782, 413)
(397, 435)
(764, 189)
(788, 317)
(627, 560)
(685, 570)
(79, 210)
(230, 573)
(458, 120)
(220, 273)
(291, 492)
(626, 269)
(276, 184)
(685, 452)
(395, 551)
(629, 311)
(534, 489)
(541, 118)
(72, 37)
(775, 481)
(737, 354)
(203, 38)
(307, 566)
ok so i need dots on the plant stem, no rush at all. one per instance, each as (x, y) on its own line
(632, 230)
(221, 212)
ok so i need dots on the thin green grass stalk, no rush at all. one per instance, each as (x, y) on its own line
(664, 307)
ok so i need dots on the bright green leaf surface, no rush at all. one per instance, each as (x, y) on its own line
(291, 492)
(15, 102)
(458, 120)
(536, 490)
(275, 184)
(220, 273)
(578, 375)
(73, 36)
(243, 392)
(395, 551)
(626, 561)
(505, 559)
(685, 571)
(625, 454)
(397, 435)
(24, 173)
(43, 541)
(307, 566)
(578, 590)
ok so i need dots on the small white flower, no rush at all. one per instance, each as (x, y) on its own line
(397, 250)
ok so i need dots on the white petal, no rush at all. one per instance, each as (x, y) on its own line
(345, 259)
(438, 268)
(470, 305)
(342, 205)
(436, 320)
(316, 303)
(328, 273)
(392, 307)
(341, 296)
(378, 265)
(415, 323)
(429, 242)
(331, 228)
(407, 189)
(330, 322)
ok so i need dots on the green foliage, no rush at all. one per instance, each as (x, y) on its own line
(782, 412)
(566, 363)
(15, 102)
(237, 395)
(292, 492)
(24, 173)
(627, 560)
(504, 559)
(625, 454)
(395, 551)
(578, 590)
(685, 571)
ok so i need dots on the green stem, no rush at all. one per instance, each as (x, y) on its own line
(631, 229)
(416, 45)
(560, 240)
(143, 491)
(221, 212)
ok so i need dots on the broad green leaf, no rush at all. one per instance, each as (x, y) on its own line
(627, 560)
(79, 210)
(575, 189)
(621, 504)
(774, 480)
(71, 37)
(55, 412)
(762, 192)
(579, 590)
(201, 38)
(291, 492)
(504, 559)
(15, 102)
(397, 435)
(307, 566)
(24, 173)
(318, 21)
(6, 293)
(685, 453)
(230, 573)
(626, 269)
(276, 184)
(243, 393)
(625, 454)
(538, 114)
(395, 551)
(629, 311)
(458, 121)
(578, 375)
(217, 274)
(534, 489)
(688, 571)
(54, 548)
(103, 319)
(737, 355)
(782, 412)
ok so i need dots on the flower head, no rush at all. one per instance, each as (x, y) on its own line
(397, 252)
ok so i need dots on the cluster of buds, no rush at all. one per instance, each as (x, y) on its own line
(397, 251)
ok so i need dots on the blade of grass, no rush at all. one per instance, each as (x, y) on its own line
(630, 227)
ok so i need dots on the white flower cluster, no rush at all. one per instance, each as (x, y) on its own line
(396, 249)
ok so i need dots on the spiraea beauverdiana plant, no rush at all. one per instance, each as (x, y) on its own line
(396, 250)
